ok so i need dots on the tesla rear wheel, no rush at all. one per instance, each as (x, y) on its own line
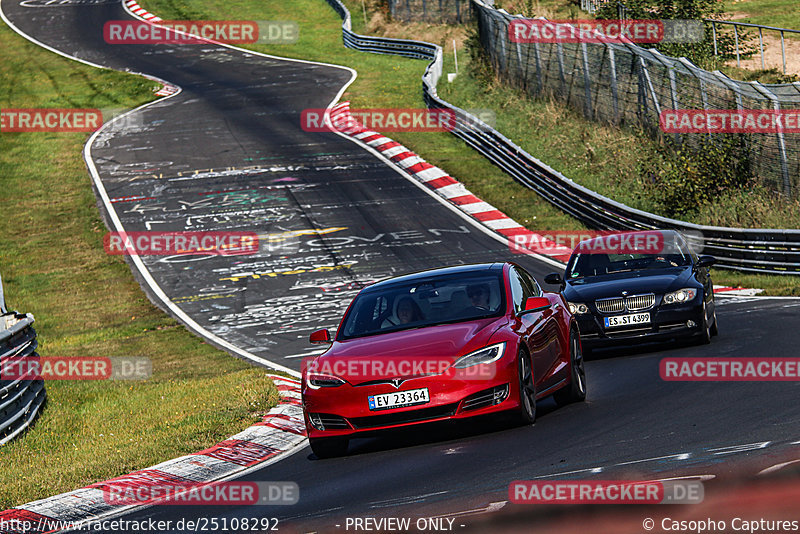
(576, 390)
(328, 447)
(527, 390)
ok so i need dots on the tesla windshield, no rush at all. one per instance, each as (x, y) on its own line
(424, 302)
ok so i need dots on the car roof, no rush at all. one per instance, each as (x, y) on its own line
(444, 271)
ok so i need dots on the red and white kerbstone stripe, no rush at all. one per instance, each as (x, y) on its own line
(435, 178)
(168, 90)
(736, 291)
(134, 6)
(281, 430)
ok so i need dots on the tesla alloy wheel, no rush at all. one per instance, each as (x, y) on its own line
(527, 390)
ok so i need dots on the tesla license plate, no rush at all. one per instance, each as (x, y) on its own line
(626, 320)
(399, 399)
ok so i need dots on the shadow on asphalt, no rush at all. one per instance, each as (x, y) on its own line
(442, 431)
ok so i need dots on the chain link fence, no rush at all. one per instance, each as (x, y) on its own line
(622, 83)
(436, 11)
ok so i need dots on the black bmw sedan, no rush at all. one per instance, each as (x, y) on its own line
(630, 296)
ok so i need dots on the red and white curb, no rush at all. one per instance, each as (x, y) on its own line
(168, 90)
(282, 430)
(726, 291)
(135, 8)
(434, 177)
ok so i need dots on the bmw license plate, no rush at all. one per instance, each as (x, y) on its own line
(399, 399)
(627, 320)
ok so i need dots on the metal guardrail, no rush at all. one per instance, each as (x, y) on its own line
(22, 397)
(751, 250)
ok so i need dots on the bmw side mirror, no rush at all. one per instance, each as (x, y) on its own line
(554, 279)
(320, 336)
(706, 261)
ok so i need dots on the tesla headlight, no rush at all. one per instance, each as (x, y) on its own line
(577, 308)
(489, 354)
(682, 295)
(320, 380)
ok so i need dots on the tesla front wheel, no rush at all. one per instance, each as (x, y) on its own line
(575, 391)
(328, 447)
(527, 390)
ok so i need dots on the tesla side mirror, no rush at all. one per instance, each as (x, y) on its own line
(706, 261)
(320, 336)
(553, 278)
(533, 304)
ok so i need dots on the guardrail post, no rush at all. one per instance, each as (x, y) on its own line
(776, 105)
(614, 95)
(703, 93)
(2, 298)
(527, 62)
(736, 40)
(761, 43)
(539, 81)
(587, 82)
(714, 34)
(561, 73)
(650, 86)
(783, 53)
(503, 58)
(641, 92)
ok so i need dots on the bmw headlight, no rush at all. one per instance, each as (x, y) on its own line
(489, 354)
(577, 308)
(682, 295)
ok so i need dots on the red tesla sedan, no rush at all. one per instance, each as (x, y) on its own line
(439, 345)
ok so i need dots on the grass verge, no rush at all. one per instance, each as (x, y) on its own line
(87, 304)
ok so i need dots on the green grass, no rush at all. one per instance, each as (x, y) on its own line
(777, 13)
(86, 303)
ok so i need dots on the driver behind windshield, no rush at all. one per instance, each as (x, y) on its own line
(479, 296)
